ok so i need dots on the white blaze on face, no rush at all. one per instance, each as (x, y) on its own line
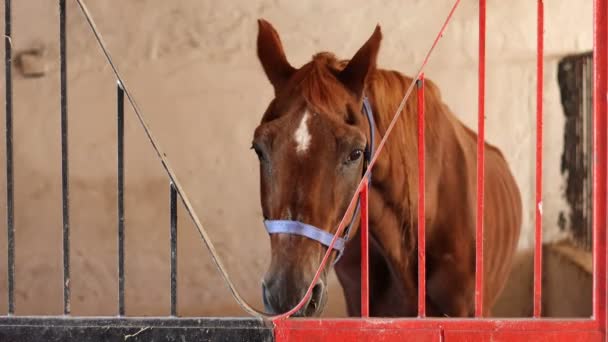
(302, 134)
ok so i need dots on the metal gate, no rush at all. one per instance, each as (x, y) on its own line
(266, 328)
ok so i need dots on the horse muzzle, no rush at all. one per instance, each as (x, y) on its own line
(279, 299)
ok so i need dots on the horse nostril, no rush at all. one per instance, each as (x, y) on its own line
(316, 297)
(266, 298)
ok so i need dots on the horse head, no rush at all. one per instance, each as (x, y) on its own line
(311, 144)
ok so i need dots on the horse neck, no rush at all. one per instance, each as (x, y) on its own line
(395, 176)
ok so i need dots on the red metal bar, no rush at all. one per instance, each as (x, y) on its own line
(480, 161)
(421, 203)
(431, 329)
(515, 324)
(538, 239)
(364, 251)
(434, 335)
(600, 92)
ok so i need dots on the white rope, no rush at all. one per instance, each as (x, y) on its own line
(203, 233)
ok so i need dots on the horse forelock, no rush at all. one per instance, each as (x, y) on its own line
(317, 83)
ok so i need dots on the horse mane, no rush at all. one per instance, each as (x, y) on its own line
(317, 82)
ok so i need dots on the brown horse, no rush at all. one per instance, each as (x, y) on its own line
(310, 144)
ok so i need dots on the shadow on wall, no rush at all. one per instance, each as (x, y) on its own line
(567, 283)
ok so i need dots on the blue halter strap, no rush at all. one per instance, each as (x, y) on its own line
(314, 233)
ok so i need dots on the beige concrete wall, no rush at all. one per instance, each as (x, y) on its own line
(567, 282)
(192, 67)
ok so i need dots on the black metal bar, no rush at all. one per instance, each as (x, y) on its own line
(113, 329)
(120, 99)
(64, 159)
(10, 223)
(173, 250)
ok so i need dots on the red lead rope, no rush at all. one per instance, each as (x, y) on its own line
(363, 181)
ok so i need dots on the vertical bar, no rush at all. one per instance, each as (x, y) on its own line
(538, 239)
(120, 133)
(587, 107)
(10, 223)
(600, 89)
(588, 82)
(480, 161)
(64, 159)
(421, 202)
(364, 251)
(173, 250)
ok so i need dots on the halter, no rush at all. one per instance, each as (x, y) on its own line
(319, 235)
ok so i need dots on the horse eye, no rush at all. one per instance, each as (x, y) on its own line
(258, 152)
(354, 156)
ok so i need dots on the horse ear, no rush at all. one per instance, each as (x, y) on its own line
(271, 55)
(354, 75)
